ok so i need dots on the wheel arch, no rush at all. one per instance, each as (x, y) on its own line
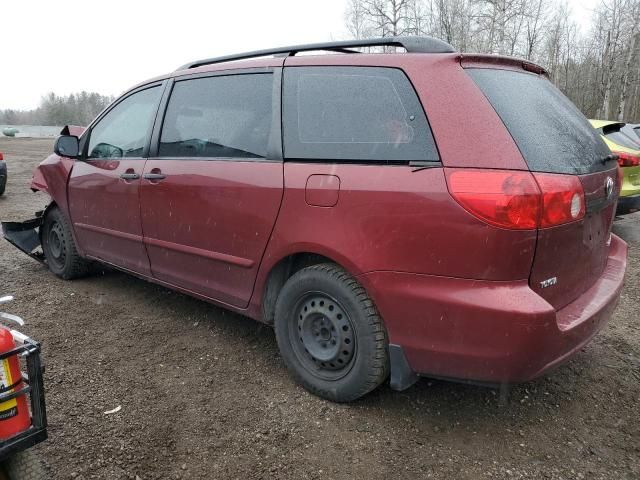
(50, 206)
(54, 204)
(278, 272)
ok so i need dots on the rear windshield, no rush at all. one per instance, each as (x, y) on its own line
(616, 136)
(551, 133)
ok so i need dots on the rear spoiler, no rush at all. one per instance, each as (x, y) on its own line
(612, 127)
(482, 60)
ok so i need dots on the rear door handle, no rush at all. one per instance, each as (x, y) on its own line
(129, 176)
(154, 176)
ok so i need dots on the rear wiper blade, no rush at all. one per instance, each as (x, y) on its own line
(423, 164)
(608, 158)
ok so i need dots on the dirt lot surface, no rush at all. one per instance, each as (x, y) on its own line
(204, 393)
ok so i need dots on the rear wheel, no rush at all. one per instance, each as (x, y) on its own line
(59, 247)
(330, 334)
(24, 465)
(3, 184)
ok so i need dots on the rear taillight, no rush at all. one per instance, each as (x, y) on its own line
(518, 200)
(627, 159)
(508, 199)
(1, 157)
(562, 199)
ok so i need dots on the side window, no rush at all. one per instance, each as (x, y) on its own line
(223, 116)
(354, 113)
(123, 131)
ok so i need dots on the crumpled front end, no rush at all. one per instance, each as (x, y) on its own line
(25, 236)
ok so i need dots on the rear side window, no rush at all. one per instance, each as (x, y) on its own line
(354, 113)
(219, 117)
(551, 133)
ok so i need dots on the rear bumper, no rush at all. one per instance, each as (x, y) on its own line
(485, 331)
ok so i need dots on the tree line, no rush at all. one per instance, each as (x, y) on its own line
(74, 109)
(598, 69)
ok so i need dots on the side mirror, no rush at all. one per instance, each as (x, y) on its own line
(67, 146)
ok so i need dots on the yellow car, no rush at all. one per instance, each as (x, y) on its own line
(628, 151)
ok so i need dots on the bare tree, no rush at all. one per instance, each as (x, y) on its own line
(535, 18)
(389, 17)
(611, 21)
(597, 68)
(631, 49)
(356, 20)
(77, 109)
(625, 78)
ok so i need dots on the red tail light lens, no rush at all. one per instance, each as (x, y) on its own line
(518, 200)
(627, 159)
(508, 199)
(1, 157)
(562, 199)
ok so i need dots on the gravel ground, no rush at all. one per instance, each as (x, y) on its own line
(204, 393)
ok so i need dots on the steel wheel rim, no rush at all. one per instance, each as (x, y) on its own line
(322, 336)
(56, 244)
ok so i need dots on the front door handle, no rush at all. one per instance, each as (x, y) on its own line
(154, 176)
(129, 176)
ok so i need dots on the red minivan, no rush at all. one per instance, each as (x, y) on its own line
(392, 215)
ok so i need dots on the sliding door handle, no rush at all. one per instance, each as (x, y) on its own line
(129, 176)
(154, 176)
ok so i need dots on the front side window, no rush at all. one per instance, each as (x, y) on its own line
(354, 113)
(219, 117)
(123, 131)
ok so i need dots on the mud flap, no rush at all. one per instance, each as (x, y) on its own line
(25, 236)
(402, 377)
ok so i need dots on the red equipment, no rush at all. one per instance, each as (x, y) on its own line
(14, 413)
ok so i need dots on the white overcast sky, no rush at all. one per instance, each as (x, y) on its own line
(107, 46)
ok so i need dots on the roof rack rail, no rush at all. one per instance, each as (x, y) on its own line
(410, 44)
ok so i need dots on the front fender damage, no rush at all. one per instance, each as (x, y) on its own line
(25, 236)
(49, 177)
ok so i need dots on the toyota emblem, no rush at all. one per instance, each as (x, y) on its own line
(608, 187)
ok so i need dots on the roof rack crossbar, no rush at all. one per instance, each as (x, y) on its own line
(410, 44)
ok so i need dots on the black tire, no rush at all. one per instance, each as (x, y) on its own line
(24, 465)
(3, 185)
(330, 335)
(59, 247)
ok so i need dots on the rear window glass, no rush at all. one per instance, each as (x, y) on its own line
(551, 133)
(354, 113)
(622, 139)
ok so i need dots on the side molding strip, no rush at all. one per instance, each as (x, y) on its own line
(199, 252)
(109, 231)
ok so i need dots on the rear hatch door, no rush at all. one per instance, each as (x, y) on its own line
(555, 138)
